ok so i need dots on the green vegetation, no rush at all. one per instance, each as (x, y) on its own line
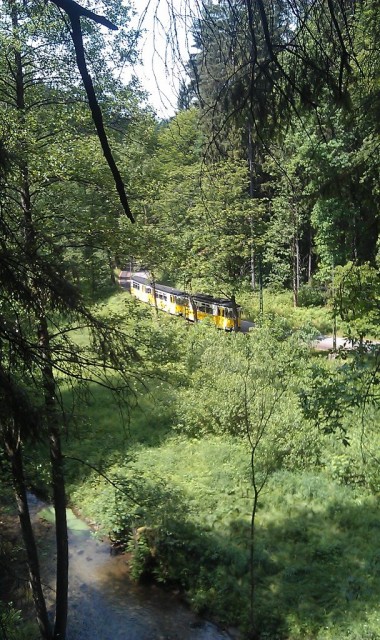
(175, 484)
(12, 626)
(241, 469)
(317, 317)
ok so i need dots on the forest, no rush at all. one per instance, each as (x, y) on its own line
(238, 471)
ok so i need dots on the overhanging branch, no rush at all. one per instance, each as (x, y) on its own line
(74, 11)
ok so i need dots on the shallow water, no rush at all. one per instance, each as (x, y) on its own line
(105, 604)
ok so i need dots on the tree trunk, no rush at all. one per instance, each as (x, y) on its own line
(253, 273)
(252, 195)
(58, 484)
(111, 265)
(252, 552)
(30, 250)
(296, 270)
(261, 289)
(92, 275)
(25, 198)
(193, 305)
(13, 447)
(309, 265)
(154, 292)
(296, 257)
(235, 312)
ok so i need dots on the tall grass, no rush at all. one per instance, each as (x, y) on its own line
(317, 560)
(280, 305)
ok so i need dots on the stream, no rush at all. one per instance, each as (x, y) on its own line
(104, 604)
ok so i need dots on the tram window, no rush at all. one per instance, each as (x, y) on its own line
(148, 289)
(136, 285)
(206, 308)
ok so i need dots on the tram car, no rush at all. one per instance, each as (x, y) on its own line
(193, 307)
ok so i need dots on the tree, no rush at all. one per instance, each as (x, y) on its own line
(222, 224)
(260, 66)
(294, 51)
(74, 12)
(241, 385)
(167, 176)
(41, 307)
(356, 299)
(288, 240)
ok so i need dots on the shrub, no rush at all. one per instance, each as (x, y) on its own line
(12, 627)
(310, 295)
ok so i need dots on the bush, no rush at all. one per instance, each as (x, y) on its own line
(12, 626)
(310, 295)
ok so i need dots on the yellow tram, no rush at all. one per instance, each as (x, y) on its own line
(193, 307)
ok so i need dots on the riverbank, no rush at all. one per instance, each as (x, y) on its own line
(104, 602)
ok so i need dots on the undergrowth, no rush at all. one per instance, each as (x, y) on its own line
(316, 558)
(182, 506)
(280, 305)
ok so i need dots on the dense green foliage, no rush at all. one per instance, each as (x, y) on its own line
(271, 175)
(180, 500)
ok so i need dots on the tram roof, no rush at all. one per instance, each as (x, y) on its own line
(199, 297)
(203, 297)
(159, 287)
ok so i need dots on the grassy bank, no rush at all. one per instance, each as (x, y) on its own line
(188, 525)
(317, 318)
